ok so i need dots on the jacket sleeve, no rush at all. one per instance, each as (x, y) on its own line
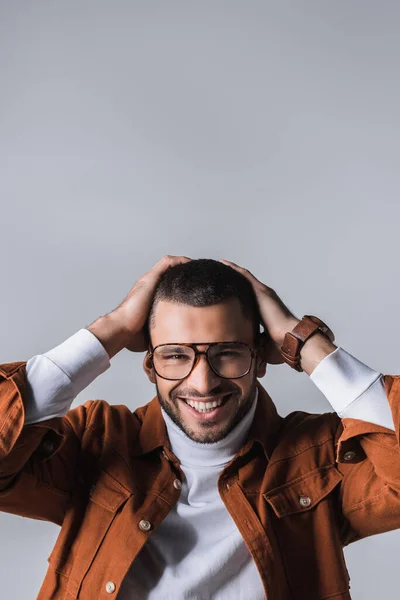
(368, 457)
(38, 462)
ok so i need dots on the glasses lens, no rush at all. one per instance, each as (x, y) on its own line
(230, 360)
(173, 361)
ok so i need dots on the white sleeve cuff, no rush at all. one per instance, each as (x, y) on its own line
(55, 378)
(353, 389)
(82, 358)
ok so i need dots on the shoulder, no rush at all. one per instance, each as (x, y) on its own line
(303, 433)
(114, 424)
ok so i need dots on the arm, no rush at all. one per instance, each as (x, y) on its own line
(367, 443)
(353, 389)
(37, 462)
(42, 443)
(40, 446)
(55, 379)
(367, 440)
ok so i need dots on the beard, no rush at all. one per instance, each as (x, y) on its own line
(208, 432)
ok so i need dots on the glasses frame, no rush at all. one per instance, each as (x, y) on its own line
(197, 355)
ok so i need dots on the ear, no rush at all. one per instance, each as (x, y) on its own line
(148, 368)
(268, 352)
(261, 366)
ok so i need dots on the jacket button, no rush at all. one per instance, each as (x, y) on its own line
(177, 484)
(144, 525)
(110, 587)
(349, 455)
(305, 501)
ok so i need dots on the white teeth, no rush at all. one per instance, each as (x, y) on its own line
(204, 406)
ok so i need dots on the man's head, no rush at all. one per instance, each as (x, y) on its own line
(202, 302)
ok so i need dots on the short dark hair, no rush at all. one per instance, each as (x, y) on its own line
(205, 282)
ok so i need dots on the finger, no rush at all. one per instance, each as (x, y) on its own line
(149, 280)
(165, 263)
(170, 261)
(269, 350)
(241, 270)
(229, 262)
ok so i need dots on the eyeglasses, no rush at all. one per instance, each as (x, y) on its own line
(229, 360)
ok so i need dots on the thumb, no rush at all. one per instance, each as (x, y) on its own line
(139, 342)
(269, 350)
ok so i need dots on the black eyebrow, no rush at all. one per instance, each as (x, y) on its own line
(173, 347)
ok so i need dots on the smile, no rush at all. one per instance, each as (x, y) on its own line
(204, 407)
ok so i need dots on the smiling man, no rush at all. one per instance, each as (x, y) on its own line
(206, 491)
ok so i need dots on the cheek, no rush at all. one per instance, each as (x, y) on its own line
(166, 388)
(244, 390)
(248, 386)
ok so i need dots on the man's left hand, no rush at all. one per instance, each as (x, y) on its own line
(277, 319)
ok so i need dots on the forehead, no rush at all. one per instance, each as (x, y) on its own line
(190, 324)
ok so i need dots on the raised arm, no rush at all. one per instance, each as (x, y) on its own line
(42, 441)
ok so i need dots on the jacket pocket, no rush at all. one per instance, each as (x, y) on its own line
(86, 531)
(306, 526)
(303, 493)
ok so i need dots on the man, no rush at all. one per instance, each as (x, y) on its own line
(205, 492)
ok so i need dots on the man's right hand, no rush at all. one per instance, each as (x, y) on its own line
(124, 326)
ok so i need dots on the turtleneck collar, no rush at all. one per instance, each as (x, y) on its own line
(196, 454)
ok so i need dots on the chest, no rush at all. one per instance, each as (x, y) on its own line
(283, 517)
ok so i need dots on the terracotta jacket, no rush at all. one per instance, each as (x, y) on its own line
(300, 489)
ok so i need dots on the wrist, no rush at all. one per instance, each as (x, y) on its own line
(288, 326)
(110, 332)
(305, 345)
(314, 351)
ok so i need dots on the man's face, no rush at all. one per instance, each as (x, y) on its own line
(225, 322)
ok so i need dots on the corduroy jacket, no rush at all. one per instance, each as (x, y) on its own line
(301, 488)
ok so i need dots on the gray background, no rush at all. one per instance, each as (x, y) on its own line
(265, 133)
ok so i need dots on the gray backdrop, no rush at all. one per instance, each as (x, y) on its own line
(265, 133)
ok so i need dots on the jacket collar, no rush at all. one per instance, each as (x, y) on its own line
(264, 428)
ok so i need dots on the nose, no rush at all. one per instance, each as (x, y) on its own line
(203, 378)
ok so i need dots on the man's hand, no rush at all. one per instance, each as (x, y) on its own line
(276, 317)
(123, 327)
(278, 320)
